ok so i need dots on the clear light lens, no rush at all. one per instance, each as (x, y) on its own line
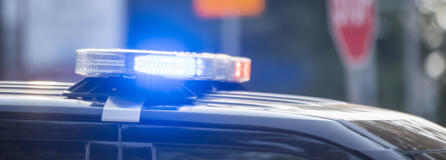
(174, 65)
(95, 64)
(169, 66)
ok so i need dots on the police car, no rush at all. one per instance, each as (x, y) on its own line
(152, 105)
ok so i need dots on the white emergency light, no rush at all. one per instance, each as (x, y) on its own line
(171, 65)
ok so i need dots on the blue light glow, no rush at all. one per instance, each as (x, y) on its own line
(170, 66)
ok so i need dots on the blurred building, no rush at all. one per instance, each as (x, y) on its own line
(40, 37)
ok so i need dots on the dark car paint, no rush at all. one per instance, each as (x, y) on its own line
(24, 103)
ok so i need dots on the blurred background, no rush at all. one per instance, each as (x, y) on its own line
(290, 43)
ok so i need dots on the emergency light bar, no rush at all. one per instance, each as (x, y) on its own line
(171, 65)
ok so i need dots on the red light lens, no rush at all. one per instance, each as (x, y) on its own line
(242, 70)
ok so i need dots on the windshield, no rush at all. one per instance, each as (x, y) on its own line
(408, 135)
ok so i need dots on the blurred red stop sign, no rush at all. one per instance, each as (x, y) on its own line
(353, 28)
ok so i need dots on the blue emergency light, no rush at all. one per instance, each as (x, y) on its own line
(105, 63)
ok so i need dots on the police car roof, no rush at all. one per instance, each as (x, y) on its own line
(49, 94)
(233, 109)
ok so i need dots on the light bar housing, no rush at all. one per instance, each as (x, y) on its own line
(165, 64)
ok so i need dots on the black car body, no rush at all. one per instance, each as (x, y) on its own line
(38, 122)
